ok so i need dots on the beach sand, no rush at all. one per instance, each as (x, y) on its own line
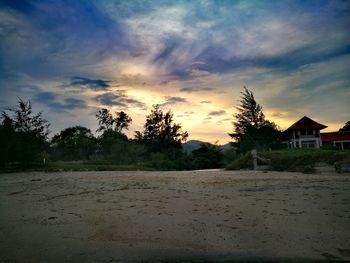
(193, 216)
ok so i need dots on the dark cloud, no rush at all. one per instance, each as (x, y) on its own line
(64, 37)
(217, 113)
(173, 100)
(72, 103)
(195, 89)
(45, 97)
(195, 45)
(51, 100)
(119, 98)
(86, 83)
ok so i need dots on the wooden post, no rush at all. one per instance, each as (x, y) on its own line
(255, 160)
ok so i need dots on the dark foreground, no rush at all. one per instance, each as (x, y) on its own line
(202, 216)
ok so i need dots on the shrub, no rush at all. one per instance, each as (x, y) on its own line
(302, 160)
(244, 161)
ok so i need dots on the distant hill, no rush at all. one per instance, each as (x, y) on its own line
(195, 144)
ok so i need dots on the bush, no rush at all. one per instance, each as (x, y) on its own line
(293, 160)
(126, 152)
(183, 163)
(244, 161)
(229, 155)
(302, 160)
(207, 156)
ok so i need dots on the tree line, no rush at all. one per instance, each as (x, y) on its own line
(25, 143)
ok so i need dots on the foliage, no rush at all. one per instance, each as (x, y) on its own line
(106, 120)
(293, 160)
(243, 161)
(346, 127)
(251, 129)
(74, 143)
(160, 133)
(122, 121)
(229, 155)
(207, 156)
(263, 137)
(107, 139)
(126, 152)
(178, 164)
(22, 136)
(249, 114)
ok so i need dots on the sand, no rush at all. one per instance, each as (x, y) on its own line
(193, 216)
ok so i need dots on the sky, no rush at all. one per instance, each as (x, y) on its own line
(72, 58)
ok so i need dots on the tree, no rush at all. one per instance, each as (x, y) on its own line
(264, 137)
(106, 120)
(107, 139)
(122, 121)
(74, 143)
(249, 114)
(207, 156)
(23, 135)
(251, 129)
(346, 127)
(160, 133)
(160, 127)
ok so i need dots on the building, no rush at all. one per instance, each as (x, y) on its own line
(339, 139)
(305, 133)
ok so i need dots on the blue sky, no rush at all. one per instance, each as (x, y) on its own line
(71, 58)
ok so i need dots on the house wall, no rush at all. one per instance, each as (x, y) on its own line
(305, 139)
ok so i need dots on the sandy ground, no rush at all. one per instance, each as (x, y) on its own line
(195, 216)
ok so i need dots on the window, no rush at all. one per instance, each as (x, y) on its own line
(308, 144)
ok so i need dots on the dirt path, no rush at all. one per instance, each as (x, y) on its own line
(173, 216)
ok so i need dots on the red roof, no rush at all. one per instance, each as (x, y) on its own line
(306, 123)
(335, 136)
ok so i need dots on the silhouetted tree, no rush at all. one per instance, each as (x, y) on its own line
(264, 137)
(249, 114)
(160, 133)
(251, 129)
(160, 126)
(105, 120)
(107, 139)
(346, 127)
(74, 143)
(122, 121)
(22, 135)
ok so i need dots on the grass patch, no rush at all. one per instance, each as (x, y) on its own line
(89, 166)
(293, 160)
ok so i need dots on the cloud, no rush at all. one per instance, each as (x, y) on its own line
(219, 122)
(71, 103)
(119, 98)
(206, 48)
(173, 100)
(217, 113)
(86, 83)
(45, 97)
(196, 89)
(52, 101)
